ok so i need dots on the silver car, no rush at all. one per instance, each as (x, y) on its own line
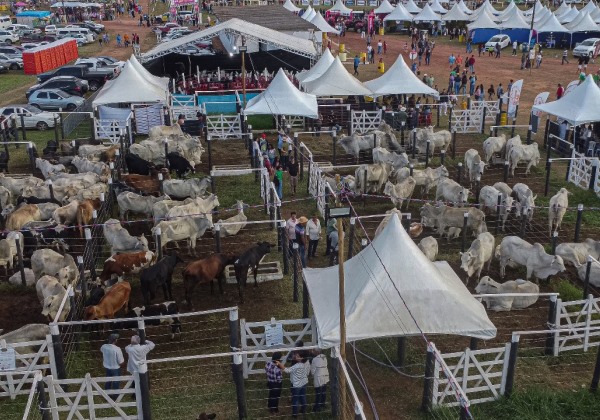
(55, 99)
(32, 116)
(11, 63)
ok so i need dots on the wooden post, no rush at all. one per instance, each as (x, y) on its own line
(593, 175)
(295, 258)
(414, 143)
(596, 376)
(401, 351)
(586, 282)
(144, 383)
(427, 152)
(43, 405)
(234, 330)
(454, 145)
(473, 343)
(20, 259)
(428, 382)
(442, 157)
(217, 237)
(285, 248)
(459, 167)
(342, 304)
(209, 147)
(334, 141)
(506, 164)
(463, 243)
(547, 183)
(335, 383)
(512, 363)
(498, 208)
(88, 243)
(552, 307)
(554, 242)
(484, 115)
(31, 154)
(305, 300)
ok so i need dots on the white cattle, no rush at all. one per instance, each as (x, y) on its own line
(17, 185)
(25, 334)
(48, 262)
(493, 145)
(60, 193)
(11, 237)
(524, 200)
(184, 188)
(396, 160)
(90, 193)
(451, 192)
(187, 228)
(161, 208)
(473, 164)
(135, 203)
(510, 144)
(594, 273)
(24, 214)
(348, 182)
(524, 153)
(426, 178)
(6, 256)
(16, 280)
(46, 168)
(453, 233)
(239, 222)
(94, 152)
(557, 208)
(66, 215)
(46, 210)
(85, 165)
(202, 207)
(5, 197)
(377, 175)
(488, 286)
(86, 179)
(51, 293)
(429, 246)
(576, 253)
(488, 201)
(443, 217)
(153, 150)
(162, 131)
(437, 140)
(480, 252)
(503, 188)
(355, 143)
(401, 191)
(120, 240)
(514, 251)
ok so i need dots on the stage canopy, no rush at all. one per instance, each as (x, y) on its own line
(412, 7)
(550, 25)
(340, 7)
(319, 21)
(427, 15)
(336, 81)
(456, 14)
(438, 8)
(399, 79)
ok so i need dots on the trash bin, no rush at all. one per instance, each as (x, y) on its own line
(503, 118)
(381, 67)
(363, 57)
(342, 56)
(342, 48)
(381, 31)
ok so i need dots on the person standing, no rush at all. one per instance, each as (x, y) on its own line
(112, 359)
(565, 57)
(472, 81)
(538, 60)
(274, 382)
(301, 239)
(320, 373)
(379, 47)
(293, 171)
(290, 229)
(137, 353)
(491, 92)
(479, 49)
(471, 64)
(498, 50)
(333, 238)
(384, 47)
(515, 46)
(356, 63)
(299, 378)
(313, 231)
(500, 92)
(451, 60)
(560, 91)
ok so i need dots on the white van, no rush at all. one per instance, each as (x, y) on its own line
(5, 21)
(66, 32)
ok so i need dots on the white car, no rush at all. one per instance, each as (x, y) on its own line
(503, 40)
(8, 37)
(50, 29)
(11, 63)
(588, 48)
(32, 116)
(80, 38)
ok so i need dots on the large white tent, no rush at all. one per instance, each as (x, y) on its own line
(427, 15)
(585, 24)
(513, 20)
(562, 8)
(485, 7)
(538, 7)
(456, 14)
(392, 289)
(384, 8)
(438, 8)
(462, 6)
(558, 13)
(283, 98)
(399, 14)
(340, 7)
(580, 106)
(336, 81)
(589, 7)
(551, 24)
(319, 21)
(569, 16)
(399, 79)
(160, 82)
(483, 21)
(412, 7)
(291, 6)
(318, 69)
(308, 14)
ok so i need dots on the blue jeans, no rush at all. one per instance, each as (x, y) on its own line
(279, 189)
(320, 397)
(112, 384)
(302, 253)
(298, 399)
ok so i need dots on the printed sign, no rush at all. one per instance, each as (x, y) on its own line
(274, 335)
(7, 359)
(413, 54)
(540, 99)
(349, 2)
(316, 2)
(571, 86)
(360, 2)
(327, 2)
(305, 2)
(373, 3)
(513, 98)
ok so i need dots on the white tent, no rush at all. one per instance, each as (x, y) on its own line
(595, 15)
(590, 7)
(586, 24)
(318, 69)
(572, 24)
(551, 24)
(539, 16)
(563, 12)
(384, 8)
(514, 20)
(483, 21)
(485, 7)
(308, 14)
(562, 8)
(340, 7)
(130, 87)
(399, 79)
(392, 289)
(291, 6)
(160, 82)
(399, 14)
(427, 15)
(455, 14)
(462, 6)
(569, 16)
(508, 8)
(283, 98)
(336, 81)
(437, 7)
(319, 21)
(581, 106)
(412, 7)
(538, 7)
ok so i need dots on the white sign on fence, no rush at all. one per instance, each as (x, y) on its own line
(274, 335)
(8, 359)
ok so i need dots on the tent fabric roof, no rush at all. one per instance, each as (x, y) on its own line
(569, 16)
(308, 14)
(399, 13)
(438, 8)
(562, 8)
(283, 98)
(485, 7)
(514, 20)
(589, 7)
(291, 6)
(319, 21)
(384, 7)
(427, 15)
(483, 21)
(586, 24)
(580, 106)
(318, 69)
(392, 289)
(336, 81)
(340, 7)
(456, 14)
(538, 7)
(412, 7)
(160, 82)
(550, 25)
(399, 79)
(464, 8)
(130, 87)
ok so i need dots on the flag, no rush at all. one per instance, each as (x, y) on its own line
(513, 98)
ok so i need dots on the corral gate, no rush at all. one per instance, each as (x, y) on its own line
(316, 187)
(111, 129)
(467, 120)
(186, 105)
(578, 317)
(363, 121)
(220, 127)
(580, 171)
(254, 337)
(293, 121)
(481, 374)
(18, 381)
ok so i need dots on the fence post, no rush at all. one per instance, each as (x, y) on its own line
(62, 125)
(296, 146)
(459, 167)
(334, 141)
(547, 184)
(578, 221)
(442, 157)
(271, 207)
(552, 306)
(20, 261)
(454, 144)
(593, 175)
(554, 242)
(285, 248)
(59, 358)
(401, 351)
(217, 237)
(32, 156)
(411, 169)
(498, 207)
(55, 130)
(363, 243)
(209, 147)
(309, 161)
(523, 222)
(414, 143)
(450, 119)
(295, 258)
(426, 403)
(529, 130)
(506, 163)
(50, 188)
(586, 283)
(238, 378)
(92, 128)
(512, 364)
(88, 245)
(428, 145)
(305, 300)
(13, 121)
(596, 376)
(44, 409)
(484, 112)
(477, 185)
(463, 242)
(144, 385)
(473, 343)
(351, 237)
(158, 244)
(402, 125)
(335, 383)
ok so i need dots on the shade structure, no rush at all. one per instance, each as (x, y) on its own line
(581, 106)
(569, 16)
(586, 24)
(551, 24)
(595, 15)
(462, 6)
(508, 8)
(319, 21)
(427, 15)
(563, 12)
(318, 69)
(160, 82)
(514, 20)
(539, 16)
(562, 8)
(538, 7)
(399, 79)
(456, 14)
(438, 8)
(589, 7)
(392, 289)
(412, 7)
(399, 14)
(485, 7)
(483, 21)
(336, 81)
(572, 24)
(384, 8)
(291, 6)
(340, 8)
(308, 14)
(283, 98)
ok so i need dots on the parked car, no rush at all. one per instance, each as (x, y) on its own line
(503, 40)
(194, 50)
(3, 69)
(51, 29)
(99, 63)
(32, 116)
(589, 48)
(21, 30)
(54, 99)
(70, 84)
(8, 37)
(38, 37)
(164, 29)
(79, 38)
(95, 79)
(11, 63)
(11, 51)
(92, 26)
(32, 45)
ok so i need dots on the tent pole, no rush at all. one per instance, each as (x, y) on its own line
(342, 302)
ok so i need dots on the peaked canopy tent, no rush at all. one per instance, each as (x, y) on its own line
(438, 8)
(562, 8)
(340, 8)
(392, 289)
(412, 7)
(336, 81)
(589, 7)
(399, 14)
(462, 6)
(514, 25)
(291, 6)
(319, 21)
(568, 16)
(427, 15)
(308, 14)
(318, 69)
(384, 8)
(550, 26)
(283, 98)
(585, 28)
(160, 82)
(580, 106)
(573, 24)
(485, 7)
(456, 14)
(596, 15)
(538, 7)
(483, 28)
(399, 79)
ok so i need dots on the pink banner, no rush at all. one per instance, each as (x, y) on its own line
(183, 2)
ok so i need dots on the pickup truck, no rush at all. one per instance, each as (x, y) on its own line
(99, 65)
(95, 78)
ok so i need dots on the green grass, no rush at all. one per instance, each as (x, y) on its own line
(14, 80)
(261, 122)
(568, 291)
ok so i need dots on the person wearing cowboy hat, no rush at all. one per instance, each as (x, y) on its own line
(274, 382)
(301, 239)
(313, 231)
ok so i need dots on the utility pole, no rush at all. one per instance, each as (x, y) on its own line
(243, 48)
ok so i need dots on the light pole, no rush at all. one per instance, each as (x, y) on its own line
(243, 48)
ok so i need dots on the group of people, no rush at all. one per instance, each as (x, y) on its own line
(112, 358)
(278, 162)
(125, 40)
(306, 234)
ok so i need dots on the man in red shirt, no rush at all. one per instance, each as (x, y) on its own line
(560, 91)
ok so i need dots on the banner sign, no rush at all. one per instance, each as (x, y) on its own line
(274, 335)
(183, 2)
(571, 86)
(540, 99)
(360, 2)
(327, 2)
(373, 3)
(349, 2)
(513, 98)
(316, 2)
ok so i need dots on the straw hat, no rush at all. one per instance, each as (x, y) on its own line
(302, 220)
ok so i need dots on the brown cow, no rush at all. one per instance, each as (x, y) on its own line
(148, 184)
(85, 212)
(204, 271)
(120, 264)
(22, 215)
(109, 154)
(113, 301)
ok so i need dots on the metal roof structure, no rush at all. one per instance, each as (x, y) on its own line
(249, 31)
(272, 17)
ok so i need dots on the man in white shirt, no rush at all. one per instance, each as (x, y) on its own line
(313, 231)
(112, 359)
(299, 378)
(137, 353)
(290, 229)
(320, 373)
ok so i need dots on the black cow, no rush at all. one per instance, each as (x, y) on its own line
(49, 236)
(249, 259)
(159, 274)
(34, 200)
(179, 164)
(96, 295)
(137, 165)
(51, 148)
(165, 308)
(4, 162)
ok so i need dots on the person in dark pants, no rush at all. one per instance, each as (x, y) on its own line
(320, 373)
(333, 244)
(112, 359)
(313, 231)
(274, 382)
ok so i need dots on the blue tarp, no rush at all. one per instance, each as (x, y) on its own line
(481, 36)
(519, 35)
(34, 13)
